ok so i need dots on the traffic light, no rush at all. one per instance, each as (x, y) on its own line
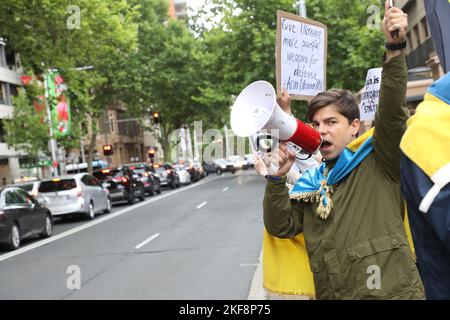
(156, 117)
(108, 150)
(151, 153)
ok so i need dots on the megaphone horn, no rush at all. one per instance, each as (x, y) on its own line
(256, 108)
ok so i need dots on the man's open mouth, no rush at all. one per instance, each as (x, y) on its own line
(325, 144)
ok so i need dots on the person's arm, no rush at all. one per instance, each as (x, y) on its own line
(392, 113)
(283, 218)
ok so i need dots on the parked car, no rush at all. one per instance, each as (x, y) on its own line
(21, 216)
(250, 158)
(151, 182)
(225, 166)
(236, 161)
(195, 174)
(122, 184)
(183, 173)
(74, 194)
(212, 167)
(199, 168)
(168, 176)
(31, 187)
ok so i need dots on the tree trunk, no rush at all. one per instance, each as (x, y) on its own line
(165, 144)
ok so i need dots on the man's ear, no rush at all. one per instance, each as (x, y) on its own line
(355, 127)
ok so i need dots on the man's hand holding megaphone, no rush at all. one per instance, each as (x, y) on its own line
(283, 158)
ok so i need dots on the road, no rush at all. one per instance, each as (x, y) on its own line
(198, 242)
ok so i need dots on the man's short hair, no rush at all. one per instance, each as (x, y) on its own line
(344, 100)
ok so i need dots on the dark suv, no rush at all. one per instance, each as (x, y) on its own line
(151, 182)
(122, 184)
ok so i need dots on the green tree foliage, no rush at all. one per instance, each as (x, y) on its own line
(148, 62)
(241, 47)
(63, 35)
(353, 47)
(27, 129)
(164, 71)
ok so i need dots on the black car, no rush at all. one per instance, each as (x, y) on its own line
(21, 216)
(168, 176)
(122, 184)
(151, 182)
(221, 165)
(212, 167)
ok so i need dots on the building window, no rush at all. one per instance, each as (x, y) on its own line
(2, 95)
(409, 43)
(417, 36)
(11, 60)
(425, 28)
(2, 131)
(111, 124)
(2, 54)
(13, 91)
(5, 94)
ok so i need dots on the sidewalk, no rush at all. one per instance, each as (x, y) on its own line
(257, 291)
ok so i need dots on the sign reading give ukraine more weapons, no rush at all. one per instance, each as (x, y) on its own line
(301, 57)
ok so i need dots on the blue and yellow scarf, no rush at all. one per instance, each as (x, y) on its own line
(316, 185)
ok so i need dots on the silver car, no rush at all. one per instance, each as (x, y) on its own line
(30, 187)
(79, 193)
(185, 176)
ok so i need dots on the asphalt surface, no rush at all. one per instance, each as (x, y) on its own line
(198, 242)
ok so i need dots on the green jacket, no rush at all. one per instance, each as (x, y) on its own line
(364, 233)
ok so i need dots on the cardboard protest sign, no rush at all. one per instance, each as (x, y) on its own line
(370, 94)
(301, 56)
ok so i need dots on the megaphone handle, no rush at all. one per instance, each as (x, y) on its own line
(265, 136)
(394, 33)
(298, 158)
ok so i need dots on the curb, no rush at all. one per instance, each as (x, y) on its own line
(257, 291)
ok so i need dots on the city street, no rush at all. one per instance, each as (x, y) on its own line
(202, 241)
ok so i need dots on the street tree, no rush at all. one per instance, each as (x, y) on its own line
(240, 47)
(163, 72)
(64, 35)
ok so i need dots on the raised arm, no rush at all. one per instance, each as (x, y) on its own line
(392, 114)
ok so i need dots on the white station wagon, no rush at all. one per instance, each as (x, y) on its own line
(79, 193)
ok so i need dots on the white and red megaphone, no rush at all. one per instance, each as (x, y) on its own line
(256, 108)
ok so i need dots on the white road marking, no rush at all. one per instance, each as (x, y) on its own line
(202, 205)
(97, 221)
(225, 189)
(249, 264)
(143, 243)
